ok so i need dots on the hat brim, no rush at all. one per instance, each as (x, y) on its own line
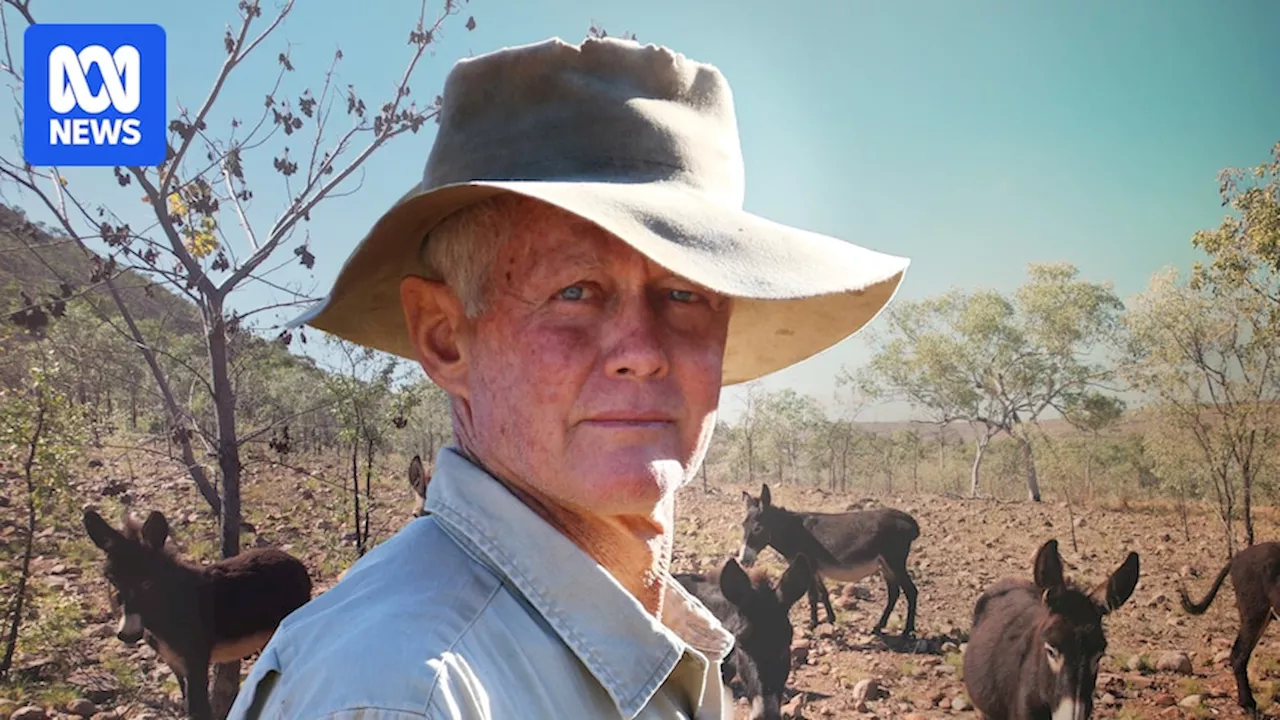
(796, 293)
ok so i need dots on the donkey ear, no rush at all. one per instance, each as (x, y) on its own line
(1048, 568)
(749, 501)
(417, 476)
(734, 583)
(155, 530)
(102, 534)
(1119, 587)
(795, 581)
(764, 495)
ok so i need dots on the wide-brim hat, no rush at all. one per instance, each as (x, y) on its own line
(642, 142)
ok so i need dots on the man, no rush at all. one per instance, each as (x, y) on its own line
(588, 282)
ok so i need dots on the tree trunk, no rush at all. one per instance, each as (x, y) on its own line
(1088, 468)
(226, 682)
(194, 469)
(974, 475)
(19, 598)
(1246, 502)
(1033, 482)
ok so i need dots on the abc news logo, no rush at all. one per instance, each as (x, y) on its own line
(94, 95)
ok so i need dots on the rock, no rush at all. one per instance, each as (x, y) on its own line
(105, 716)
(800, 652)
(1174, 662)
(1190, 701)
(1107, 699)
(1222, 658)
(914, 716)
(1080, 522)
(82, 707)
(960, 703)
(29, 712)
(7, 707)
(867, 690)
(792, 707)
(845, 602)
(1134, 664)
(1164, 700)
(97, 685)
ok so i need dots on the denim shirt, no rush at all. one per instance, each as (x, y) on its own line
(483, 610)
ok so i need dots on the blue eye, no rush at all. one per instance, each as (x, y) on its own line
(683, 296)
(573, 292)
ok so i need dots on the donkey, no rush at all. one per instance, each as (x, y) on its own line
(847, 546)
(1255, 574)
(1034, 648)
(418, 479)
(756, 613)
(195, 616)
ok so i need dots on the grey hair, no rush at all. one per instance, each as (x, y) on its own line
(461, 251)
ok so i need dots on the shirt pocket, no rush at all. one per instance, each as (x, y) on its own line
(256, 689)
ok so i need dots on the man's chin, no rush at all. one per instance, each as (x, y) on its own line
(633, 488)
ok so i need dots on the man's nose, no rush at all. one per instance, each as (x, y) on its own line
(634, 338)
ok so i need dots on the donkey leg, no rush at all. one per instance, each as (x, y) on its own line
(826, 601)
(909, 589)
(813, 600)
(1251, 627)
(891, 586)
(197, 682)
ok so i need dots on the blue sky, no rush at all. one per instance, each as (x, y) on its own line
(973, 137)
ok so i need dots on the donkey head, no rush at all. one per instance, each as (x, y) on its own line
(765, 634)
(1070, 631)
(131, 564)
(418, 479)
(756, 526)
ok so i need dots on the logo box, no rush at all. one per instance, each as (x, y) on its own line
(94, 95)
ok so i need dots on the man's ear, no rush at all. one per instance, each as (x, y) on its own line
(438, 328)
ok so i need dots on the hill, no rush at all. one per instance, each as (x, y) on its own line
(48, 269)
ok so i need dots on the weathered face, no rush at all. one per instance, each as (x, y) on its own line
(766, 637)
(132, 596)
(755, 526)
(593, 376)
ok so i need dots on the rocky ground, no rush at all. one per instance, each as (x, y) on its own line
(1160, 662)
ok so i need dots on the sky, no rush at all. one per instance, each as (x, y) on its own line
(973, 137)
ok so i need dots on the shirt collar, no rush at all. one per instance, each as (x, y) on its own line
(630, 652)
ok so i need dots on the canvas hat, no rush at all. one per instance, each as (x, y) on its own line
(643, 142)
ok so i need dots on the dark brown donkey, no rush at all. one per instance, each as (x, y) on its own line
(1255, 574)
(1034, 648)
(418, 479)
(756, 613)
(195, 615)
(847, 547)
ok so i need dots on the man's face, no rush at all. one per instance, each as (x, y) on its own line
(594, 374)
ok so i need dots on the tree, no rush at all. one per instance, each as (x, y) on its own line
(1091, 414)
(1209, 359)
(790, 421)
(40, 426)
(1244, 250)
(996, 362)
(199, 193)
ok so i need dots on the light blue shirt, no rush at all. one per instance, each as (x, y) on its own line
(483, 610)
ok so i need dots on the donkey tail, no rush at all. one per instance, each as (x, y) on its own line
(1200, 607)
